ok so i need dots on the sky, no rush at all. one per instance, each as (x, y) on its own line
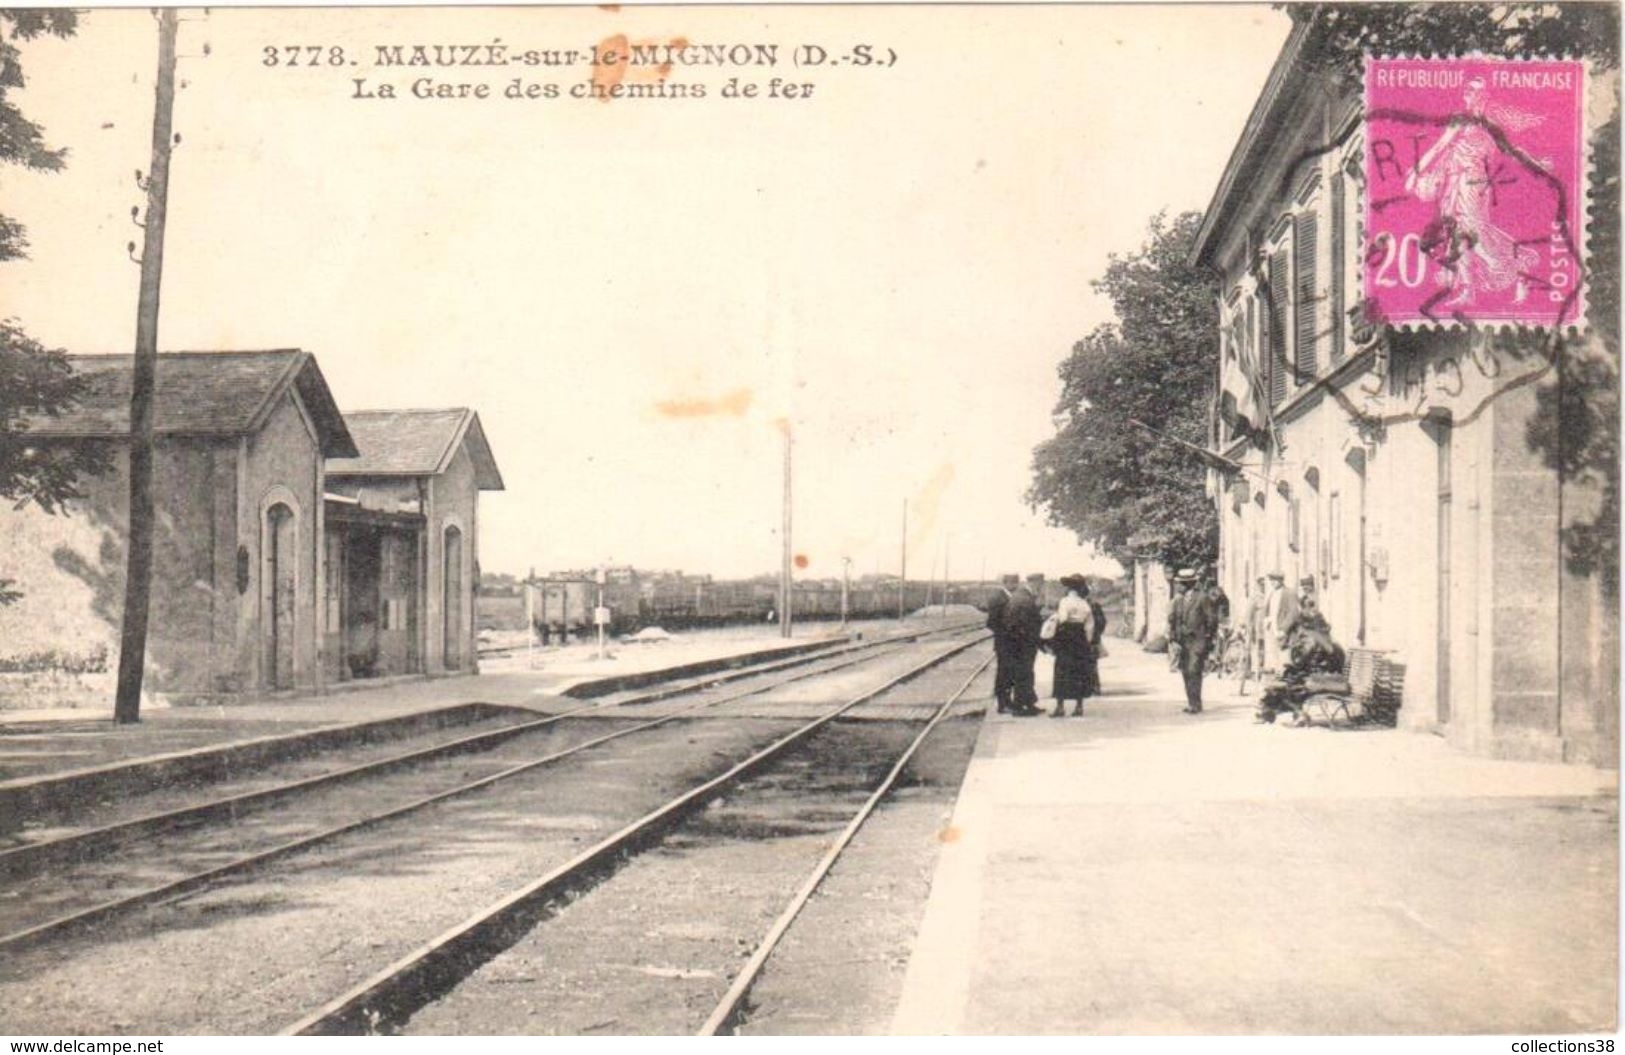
(635, 294)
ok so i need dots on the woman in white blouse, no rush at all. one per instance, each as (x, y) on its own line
(1073, 645)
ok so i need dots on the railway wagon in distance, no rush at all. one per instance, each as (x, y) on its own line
(566, 604)
(560, 605)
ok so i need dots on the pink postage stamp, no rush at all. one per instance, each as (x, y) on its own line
(1475, 193)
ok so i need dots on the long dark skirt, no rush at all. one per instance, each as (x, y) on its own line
(1073, 658)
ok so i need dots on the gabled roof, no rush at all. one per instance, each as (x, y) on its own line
(417, 443)
(220, 394)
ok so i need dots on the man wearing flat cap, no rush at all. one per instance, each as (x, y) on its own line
(1194, 625)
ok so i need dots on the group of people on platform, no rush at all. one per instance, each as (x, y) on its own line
(1284, 633)
(1287, 637)
(1021, 629)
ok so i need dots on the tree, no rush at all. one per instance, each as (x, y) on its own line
(1575, 428)
(1132, 492)
(34, 381)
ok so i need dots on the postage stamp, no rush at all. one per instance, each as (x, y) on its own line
(1475, 194)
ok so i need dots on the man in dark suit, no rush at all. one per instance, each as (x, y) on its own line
(1194, 625)
(1024, 620)
(1004, 671)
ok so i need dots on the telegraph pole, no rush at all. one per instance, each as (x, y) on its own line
(945, 580)
(786, 560)
(846, 574)
(600, 614)
(530, 619)
(902, 581)
(138, 570)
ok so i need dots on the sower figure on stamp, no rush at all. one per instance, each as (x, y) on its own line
(1194, 627)
(1004, 671)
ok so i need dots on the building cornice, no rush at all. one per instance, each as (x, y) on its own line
(1265, 116)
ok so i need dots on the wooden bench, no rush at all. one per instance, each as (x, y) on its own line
(1369, 690)
(1377, 682)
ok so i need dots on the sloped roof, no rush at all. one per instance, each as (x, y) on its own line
(201, 394)
(417, 443)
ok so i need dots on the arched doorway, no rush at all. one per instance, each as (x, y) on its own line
(278, 585)
(451, 606)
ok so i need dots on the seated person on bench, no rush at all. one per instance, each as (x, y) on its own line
(1311, 651)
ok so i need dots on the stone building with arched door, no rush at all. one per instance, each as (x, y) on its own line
(401, 564)
(241, 447)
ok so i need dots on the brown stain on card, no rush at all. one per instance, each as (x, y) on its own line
(607, 76)
(923, 510)
(949, 834)
(801, 560)
(732, 405)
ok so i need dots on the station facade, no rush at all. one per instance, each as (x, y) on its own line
(400, 553)
(263, 559)
(1395, 468)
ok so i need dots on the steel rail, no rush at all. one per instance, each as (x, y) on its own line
(728, 1007)
(106, 910)
(393, 994)
(87, 843)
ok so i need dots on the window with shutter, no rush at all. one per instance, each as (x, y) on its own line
(1277, 368)
(1339, 247)
(1304, 244)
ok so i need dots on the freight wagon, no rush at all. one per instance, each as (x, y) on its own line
(564, 605)
(676, 602)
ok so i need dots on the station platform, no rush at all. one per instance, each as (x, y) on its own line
(1143, 871)
(57, 744)
(44, 751)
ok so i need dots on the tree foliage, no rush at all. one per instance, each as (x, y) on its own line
(1346, 32)
(1575, 428)
(39, 382)
(1126, 489)
(34, 381)
(22, 142)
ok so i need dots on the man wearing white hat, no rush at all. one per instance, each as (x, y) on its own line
(1194, 625)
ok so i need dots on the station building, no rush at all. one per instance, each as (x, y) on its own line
(242, 440)
(400, 549)
(271, 572)
(1394, 467)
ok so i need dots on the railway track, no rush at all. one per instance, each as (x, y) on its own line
(389, 998)
(95, 842)
(728, 1010)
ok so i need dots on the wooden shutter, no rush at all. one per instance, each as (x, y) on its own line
(1339, 265)
(1304, 244)
(1277, 367)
